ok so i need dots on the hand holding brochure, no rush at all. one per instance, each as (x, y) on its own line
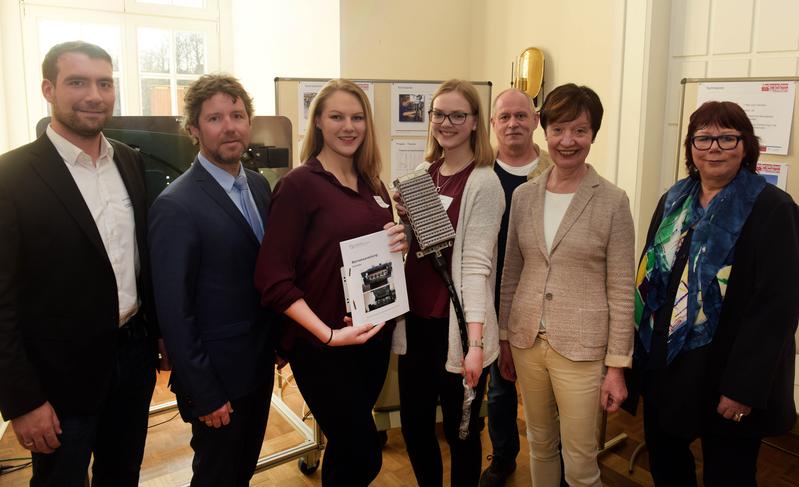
(374, 279)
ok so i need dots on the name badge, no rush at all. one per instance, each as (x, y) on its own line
(379, 200)
(446, 201)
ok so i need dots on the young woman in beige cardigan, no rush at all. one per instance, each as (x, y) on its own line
(566, 302)
(432, 367)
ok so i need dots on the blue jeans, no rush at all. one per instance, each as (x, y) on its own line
(503, 405)
(115, 434)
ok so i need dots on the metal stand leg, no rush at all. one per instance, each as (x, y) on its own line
(309, 451)
(607, 445)
(637, 450)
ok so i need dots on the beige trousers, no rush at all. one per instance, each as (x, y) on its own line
(561, 405)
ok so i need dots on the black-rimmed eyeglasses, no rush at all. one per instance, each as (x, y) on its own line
(455, 118)
(725, 142)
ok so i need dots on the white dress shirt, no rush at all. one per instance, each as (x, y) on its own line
(107, 198)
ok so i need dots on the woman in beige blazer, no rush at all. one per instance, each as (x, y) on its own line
(566, 304)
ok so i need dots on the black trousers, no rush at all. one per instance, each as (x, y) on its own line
(424, 383)
(226, 456)
(116, 434)
(341, 386)
(727, 461)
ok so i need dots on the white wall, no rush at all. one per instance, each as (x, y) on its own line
(582, 43)
(279, 38)
(412, 39)
(13, 107)
(725, 38)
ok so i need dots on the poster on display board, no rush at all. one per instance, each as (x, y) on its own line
(406, 154)
(308, 91)
(775, 173)
(410, 103)
(769, 105)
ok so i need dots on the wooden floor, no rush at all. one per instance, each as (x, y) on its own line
(167, 459)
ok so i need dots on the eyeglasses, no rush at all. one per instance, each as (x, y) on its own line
(455, 118)
(725, 142)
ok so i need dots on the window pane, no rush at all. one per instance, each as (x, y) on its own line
(153, 50)
(189, 3)
(155, 97)
(183, 86)
(109, 37)
(118, 104)
(190, 52)
(177, 3)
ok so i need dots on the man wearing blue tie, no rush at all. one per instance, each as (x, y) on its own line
(205, 232)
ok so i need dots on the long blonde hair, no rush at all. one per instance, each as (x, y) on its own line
(481, 146)
(366, 159)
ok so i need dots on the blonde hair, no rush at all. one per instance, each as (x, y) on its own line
(481, 146)
(367, 157)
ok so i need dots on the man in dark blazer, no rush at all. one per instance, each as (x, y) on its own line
(77, 335)
(205, 232)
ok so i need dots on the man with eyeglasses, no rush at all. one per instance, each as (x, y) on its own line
(518, 160)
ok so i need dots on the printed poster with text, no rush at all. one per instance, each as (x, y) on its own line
(769, 105)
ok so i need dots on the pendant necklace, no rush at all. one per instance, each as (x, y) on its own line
(439, 185)
(447, 179)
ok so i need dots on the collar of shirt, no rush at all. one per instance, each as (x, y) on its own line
(316, 167)
(519, 170)
(74, 155)
(224, 178)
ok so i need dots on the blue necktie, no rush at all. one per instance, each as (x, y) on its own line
(248, 208)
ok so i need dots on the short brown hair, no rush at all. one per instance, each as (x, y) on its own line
(481, 146)
(728, 115)
(567, 102)
(207, 86)
(367, 157)
(50, 63)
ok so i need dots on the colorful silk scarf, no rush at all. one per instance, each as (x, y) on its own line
(697, 305)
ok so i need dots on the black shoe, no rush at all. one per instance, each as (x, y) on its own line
(497, 473)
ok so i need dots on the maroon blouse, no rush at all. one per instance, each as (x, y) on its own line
(427, 294)
(311, 212)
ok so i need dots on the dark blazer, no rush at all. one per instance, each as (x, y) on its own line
(203, 261)
(59, 309)
(752, 356)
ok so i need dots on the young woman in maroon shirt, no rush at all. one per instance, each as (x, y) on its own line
(335, 195)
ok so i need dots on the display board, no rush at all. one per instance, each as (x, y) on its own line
(400, 116)
(771, 104)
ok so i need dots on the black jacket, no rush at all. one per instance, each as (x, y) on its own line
(58, 296)
(752, 356)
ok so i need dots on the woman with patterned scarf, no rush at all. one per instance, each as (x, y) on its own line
(717, 303)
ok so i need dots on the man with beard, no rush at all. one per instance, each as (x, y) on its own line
(518, 159)
(205, 231)
(77, 333)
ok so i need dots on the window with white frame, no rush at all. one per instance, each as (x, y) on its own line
(169, 60)
(156, 54)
